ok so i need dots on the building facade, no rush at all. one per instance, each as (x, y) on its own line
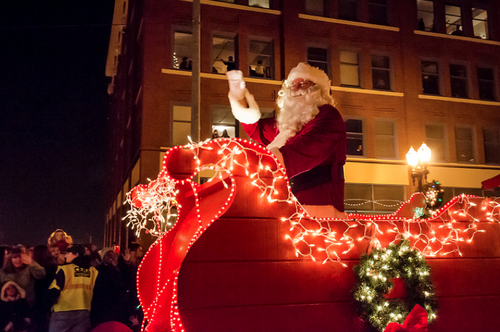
(403, 72)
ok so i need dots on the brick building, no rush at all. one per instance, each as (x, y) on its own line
(403, 72)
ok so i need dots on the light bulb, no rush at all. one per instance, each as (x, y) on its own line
(412, 157)
(424, 153)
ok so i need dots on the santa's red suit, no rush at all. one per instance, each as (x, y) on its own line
(313, 158)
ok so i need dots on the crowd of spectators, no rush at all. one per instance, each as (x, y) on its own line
(64, 286)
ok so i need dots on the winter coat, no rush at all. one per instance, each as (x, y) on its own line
(14, 310)
(25, 277)
(110, 301)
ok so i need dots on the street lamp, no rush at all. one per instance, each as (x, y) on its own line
(418, 162)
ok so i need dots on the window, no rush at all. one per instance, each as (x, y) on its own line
(465, 147)
(458, 77)
(377, 11)
(381, 72)
(261, 59)
(315, 7)
(259, 3)
(486, 83)
(369, 197)
(349, 68)
(318, 57)
(453, 20)
(354, 129)
(430, 77)
(385, 139)
(223, 57)
(223, 122)
(425, 15)
(435, 140)
(183, 42)
(480, 23)
(348, 10)
(181, 125)
(449, 192)
(491, 139)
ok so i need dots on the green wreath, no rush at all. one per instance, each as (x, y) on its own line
(373, 276)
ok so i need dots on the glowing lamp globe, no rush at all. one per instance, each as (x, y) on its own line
(424, 153)
(412, 157)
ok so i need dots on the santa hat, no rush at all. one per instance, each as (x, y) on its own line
(20, 292)
(308, 72)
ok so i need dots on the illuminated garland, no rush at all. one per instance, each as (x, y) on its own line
(439, 235)
(374, 274)
(434, 195)
(154, 206)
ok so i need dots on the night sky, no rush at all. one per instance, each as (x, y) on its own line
(53, 119)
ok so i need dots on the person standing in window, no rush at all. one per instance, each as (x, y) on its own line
(230, 64)
(259, 69)
(184, 64)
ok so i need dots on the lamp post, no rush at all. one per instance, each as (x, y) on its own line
(418, 162)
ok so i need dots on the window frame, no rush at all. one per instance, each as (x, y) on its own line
(363, 135)
(493, 81)
(497, 129)
(327, 62)
(184, 30)
(372, 209)
(390, 70)
(433, 25)
(173, 121)
(346, 18)
(255, 5)
(472, 143)
(358, 53)
(228, 107)
(323, 14)
(225, 35)
(371, 19)
(261, 39)
(487, 28)
(445, 141)
(466, 79)
(449, 29)
(439, 80)
(394, 136)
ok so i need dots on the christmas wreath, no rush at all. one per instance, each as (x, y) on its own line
(375, 273)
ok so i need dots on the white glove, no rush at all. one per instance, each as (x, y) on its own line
(243, 104)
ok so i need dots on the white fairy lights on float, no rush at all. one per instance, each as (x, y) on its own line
(232, 154)
(321, 239)
(155, 202)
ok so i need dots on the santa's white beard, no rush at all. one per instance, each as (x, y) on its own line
(297, 111)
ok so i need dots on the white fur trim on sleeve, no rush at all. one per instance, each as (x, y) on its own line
(247, 115)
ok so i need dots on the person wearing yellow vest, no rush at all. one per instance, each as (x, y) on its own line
(73, 288)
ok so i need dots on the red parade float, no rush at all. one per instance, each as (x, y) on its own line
(243, 255)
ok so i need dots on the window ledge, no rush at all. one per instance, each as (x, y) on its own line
(460, 100)
(376, 161)
(373, 92)
(219, 76)
(463, 38)
(240, 7)
(431, 164)
(354, 23)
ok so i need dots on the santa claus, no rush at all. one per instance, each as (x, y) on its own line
(307, 135)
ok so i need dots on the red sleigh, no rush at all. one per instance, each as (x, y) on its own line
(244, 256)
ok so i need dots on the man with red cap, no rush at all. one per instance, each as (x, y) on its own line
(307, 135)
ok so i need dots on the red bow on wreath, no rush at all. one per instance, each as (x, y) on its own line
(416, 321)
